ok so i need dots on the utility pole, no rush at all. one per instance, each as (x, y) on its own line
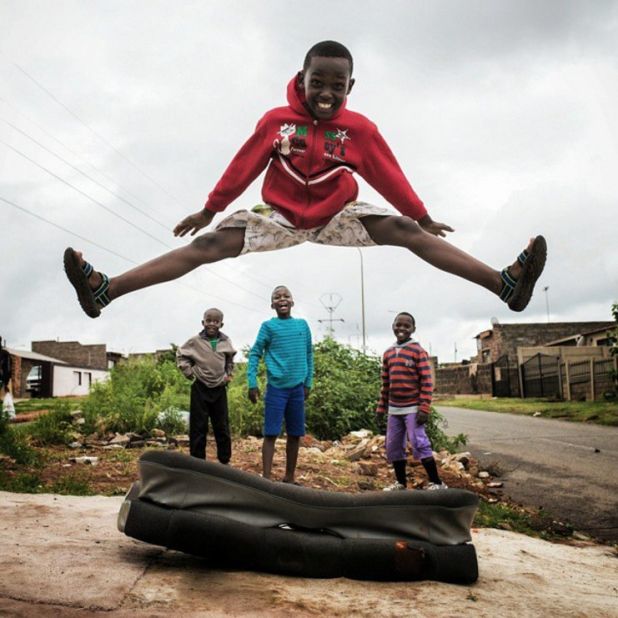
(362, 277)
(546, 301)
(331, 301)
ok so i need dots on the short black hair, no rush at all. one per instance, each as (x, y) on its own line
(408, 314)
(328, 49)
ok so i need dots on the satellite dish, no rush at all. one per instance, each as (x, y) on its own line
(494, 321)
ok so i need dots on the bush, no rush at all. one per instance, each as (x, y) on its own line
(53, 427)
(143, 394)
(134, 397)
(14, 444)
(346, 387)
(439, 440)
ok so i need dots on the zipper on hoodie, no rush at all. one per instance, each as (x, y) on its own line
(314, 141)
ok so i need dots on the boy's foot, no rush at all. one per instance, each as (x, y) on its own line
(91, 286)
(291, 482)
(518, 280)
(394, 487)
(436, 486)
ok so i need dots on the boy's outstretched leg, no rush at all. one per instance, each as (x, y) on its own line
(513, 284)
(95, 290)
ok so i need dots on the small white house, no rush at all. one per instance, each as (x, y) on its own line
(75, 380)
(38, 375)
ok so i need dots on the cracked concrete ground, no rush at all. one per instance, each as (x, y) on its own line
(63, 556)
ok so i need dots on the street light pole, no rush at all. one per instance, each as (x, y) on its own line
(362, 273)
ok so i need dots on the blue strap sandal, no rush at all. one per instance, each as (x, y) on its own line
(91, 301)
(516, 293)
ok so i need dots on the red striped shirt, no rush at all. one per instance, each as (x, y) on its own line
(406, 378)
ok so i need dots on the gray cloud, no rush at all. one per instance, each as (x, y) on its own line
(500, 112)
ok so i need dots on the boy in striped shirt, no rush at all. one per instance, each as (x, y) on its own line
(285, 344)
(406, 398)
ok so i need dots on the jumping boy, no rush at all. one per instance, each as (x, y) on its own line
(406, 394)
(209, 359)
(312, 147)
(285, 344)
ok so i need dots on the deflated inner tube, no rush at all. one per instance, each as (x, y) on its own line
(225, 543)
(237, 520)
(175, 480)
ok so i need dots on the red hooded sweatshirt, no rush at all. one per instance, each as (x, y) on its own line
(309, 179)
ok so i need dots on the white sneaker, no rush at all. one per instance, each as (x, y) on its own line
(436, 486)
(396, 486)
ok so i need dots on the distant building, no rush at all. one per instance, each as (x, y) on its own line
(504, 339)
(38, 375)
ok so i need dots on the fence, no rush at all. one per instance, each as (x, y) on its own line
(589, 379)
(541, 377)
(504, 378)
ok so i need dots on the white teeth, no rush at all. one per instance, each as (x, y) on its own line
(325, 105)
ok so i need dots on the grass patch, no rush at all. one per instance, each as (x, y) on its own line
(74, 485)
(34, 405)
(22, 483)
(518, 519)
(598, 412)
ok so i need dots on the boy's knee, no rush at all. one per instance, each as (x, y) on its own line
(392, 230)
(222, 244)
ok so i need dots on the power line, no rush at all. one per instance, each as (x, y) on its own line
(69, 149)
(106, 208)
(107, 143)
(73, 167)
(112, 252)
(48, 150)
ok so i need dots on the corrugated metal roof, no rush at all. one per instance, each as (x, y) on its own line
(35, 356)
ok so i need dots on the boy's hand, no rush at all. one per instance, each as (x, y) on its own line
(194, 223)
(307, 391)
(381, 423)
(421, 418)
(254, 395)
(433, 227)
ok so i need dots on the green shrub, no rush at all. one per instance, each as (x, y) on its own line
(52, 427)
(171, 421)
(135, 395)
(439, 440)
(14, 443)
(346, 387)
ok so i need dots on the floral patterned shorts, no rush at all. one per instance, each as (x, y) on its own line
(266, 229)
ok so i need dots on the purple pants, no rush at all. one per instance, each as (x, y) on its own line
(402, 426)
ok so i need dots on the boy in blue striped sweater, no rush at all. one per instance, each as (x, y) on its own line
(285, 344)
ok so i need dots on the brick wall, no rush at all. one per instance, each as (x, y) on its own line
(506, 338)
(464, 380)
(74, 353)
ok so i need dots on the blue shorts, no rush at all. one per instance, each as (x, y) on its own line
(288, 403)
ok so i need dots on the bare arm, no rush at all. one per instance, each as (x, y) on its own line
(194, 223)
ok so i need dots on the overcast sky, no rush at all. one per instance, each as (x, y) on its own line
(502, 114)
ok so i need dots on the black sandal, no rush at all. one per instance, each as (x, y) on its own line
(516, 293)
(91, 301)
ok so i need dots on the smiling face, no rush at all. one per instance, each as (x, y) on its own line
(212, 322)
(282, 301)
(403, 327)
(326, 82)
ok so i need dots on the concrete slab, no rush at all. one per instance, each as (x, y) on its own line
(63, 556)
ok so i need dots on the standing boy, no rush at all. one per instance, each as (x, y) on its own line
(208, 357)
(406, 394)
(312, 147)
(285, 344)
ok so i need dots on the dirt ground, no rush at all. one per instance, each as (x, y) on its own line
(63, 556)
(318, 468)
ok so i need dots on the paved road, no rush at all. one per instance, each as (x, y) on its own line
(569, 469)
